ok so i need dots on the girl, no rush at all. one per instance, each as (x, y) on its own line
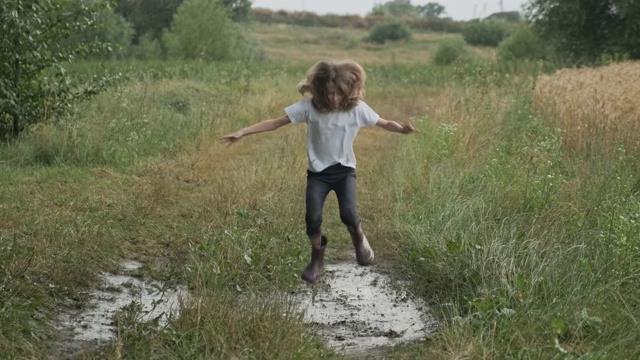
(334, 113)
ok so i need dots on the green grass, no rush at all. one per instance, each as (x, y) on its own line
(523, 250)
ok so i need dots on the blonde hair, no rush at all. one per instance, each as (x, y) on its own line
(347, 76)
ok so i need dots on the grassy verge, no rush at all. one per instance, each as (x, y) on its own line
(525, 250)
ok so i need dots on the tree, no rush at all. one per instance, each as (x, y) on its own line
(152, 17)
(148, 16)
(431, 10)
(34, 84)
(396, 8)
(114, 30)
(585, 30)
(239, 10)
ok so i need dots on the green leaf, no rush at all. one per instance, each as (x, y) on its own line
(453, 246)
(559, 327)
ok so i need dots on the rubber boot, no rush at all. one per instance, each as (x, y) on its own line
(364, 253)
(312, 272)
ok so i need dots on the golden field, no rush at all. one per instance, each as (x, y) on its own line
(595, 107)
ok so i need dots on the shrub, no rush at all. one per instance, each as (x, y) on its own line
(450, 51)
(389, 31)
(523, 44)
(330, 20)
(436, 25)
(303, 18)
(34, 84)
(113, 29)
(147, 48)
(485, 33)
(202, 29)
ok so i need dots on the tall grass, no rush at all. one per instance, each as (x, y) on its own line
(525, 250)
(153, 116)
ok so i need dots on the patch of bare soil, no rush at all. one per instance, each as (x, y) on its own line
(359, 311)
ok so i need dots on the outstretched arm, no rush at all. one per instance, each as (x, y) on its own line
(395, 127)
(266, 125)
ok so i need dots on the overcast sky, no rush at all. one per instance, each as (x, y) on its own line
(456, 9)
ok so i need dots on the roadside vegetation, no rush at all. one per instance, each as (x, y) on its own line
(514, 215)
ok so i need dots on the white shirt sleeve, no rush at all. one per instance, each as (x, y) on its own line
(366, 115)
(299, 112)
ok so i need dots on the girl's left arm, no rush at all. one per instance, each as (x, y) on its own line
(393, 126)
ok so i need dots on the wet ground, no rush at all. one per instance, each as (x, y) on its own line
(358, 311)
(95, 325)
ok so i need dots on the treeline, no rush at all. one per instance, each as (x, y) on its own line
(184, 29)
(39, 38)
(303, 18)
(146, 29)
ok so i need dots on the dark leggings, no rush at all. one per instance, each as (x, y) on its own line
(340, 179)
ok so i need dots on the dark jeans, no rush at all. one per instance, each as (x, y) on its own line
(340, 179)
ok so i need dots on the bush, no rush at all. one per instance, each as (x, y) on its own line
(485, 33)
(202, 29)
(436, 25)
(450, 51)
(330, 20)
(389, 31)
(304, 18)
(523, 44)
(34, 84)
(113, 29)
(148, 48)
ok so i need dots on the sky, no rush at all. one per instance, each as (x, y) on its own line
(455, 9)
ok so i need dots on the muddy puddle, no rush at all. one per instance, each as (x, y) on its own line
(95, 326)
(355, 309)
(359, 311)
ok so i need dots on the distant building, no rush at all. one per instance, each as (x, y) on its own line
(507, 16)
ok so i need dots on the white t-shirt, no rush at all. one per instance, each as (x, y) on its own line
(330, 135)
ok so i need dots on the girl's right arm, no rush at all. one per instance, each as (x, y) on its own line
(266, 125)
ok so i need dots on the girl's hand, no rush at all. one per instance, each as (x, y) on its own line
(408, 128)
(231, 138)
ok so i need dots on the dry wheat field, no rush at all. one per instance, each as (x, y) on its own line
(593, 106)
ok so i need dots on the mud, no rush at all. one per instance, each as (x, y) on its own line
(95, 326)
(359, 311)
